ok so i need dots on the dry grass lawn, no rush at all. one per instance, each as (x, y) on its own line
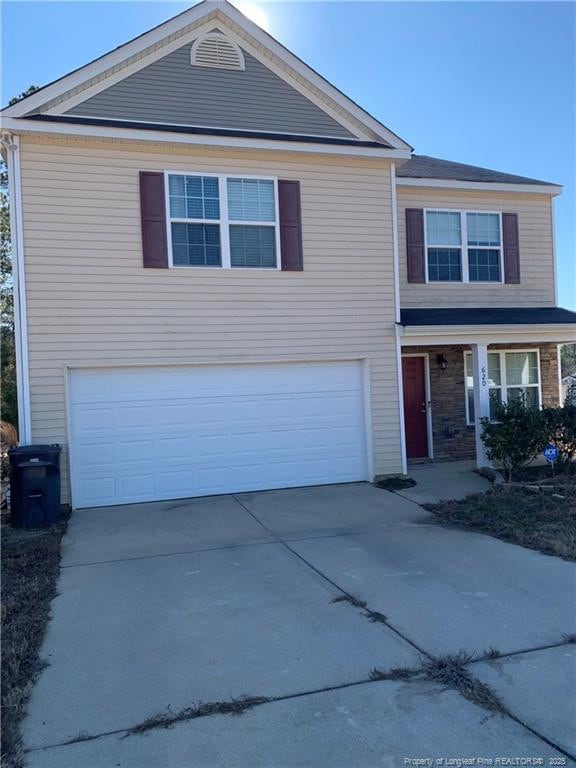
(30, 567)
(537, 518)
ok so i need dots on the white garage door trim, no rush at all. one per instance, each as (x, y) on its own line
(94, 400)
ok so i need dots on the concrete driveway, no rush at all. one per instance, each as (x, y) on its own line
(164, 607)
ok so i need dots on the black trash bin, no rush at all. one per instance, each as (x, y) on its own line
(34, 485)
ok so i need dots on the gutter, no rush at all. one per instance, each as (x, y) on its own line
(12, 146)
(159, 134)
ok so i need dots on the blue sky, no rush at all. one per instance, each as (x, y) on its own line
(486, 83)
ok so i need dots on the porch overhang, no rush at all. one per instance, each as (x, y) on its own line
(478, 328)
(511, 325)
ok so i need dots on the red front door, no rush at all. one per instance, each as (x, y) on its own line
(415, 424)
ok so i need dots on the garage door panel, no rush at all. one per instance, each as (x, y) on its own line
(148, 434)
(139, 487)
(97, 491)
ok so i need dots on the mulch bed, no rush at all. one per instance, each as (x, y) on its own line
(395, 483)
(542, 517)
(30, 568)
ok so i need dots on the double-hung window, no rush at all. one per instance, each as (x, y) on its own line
(511, 375)
(463, 246)
(223, 221)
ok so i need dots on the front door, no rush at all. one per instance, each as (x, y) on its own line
(415, 423)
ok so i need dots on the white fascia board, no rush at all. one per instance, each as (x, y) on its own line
(481, 186)
(21, 126)
(210, 9)
(111, 59)
(416, 335)
(121, 74)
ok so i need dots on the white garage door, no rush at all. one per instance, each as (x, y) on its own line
(167, 433)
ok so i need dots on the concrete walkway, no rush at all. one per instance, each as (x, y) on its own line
(444, 480)
(165, 606)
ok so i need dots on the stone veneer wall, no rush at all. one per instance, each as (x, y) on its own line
(453, 439)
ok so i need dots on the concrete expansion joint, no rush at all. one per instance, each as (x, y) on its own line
(448, 671)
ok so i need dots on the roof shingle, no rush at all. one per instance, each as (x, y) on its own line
(425, 167)
(487, 316)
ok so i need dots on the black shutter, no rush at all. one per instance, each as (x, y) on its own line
(415, 260)
(153, 216)
(511, 247)
(290, 218)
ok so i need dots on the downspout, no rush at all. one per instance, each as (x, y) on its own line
(12, 146)
(396, 263)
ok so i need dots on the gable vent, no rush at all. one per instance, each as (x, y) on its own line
(215, 50)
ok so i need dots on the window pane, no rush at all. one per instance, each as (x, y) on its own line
(494, 379)
(251, 200)
(444, 264)
(176, 187)
(483, 229)
(521, 368)
(483, 265)
(529, 394)
(194, 197)
(495, 396)
(443, 228)
(252, 246)
(469, 370)
(471, 411)
(196, 245)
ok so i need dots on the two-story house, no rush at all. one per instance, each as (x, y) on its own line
(231, 277)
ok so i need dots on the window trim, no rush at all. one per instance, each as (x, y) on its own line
(503, 386)
(464, 265)
(223, 222)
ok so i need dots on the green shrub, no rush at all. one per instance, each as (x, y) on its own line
(516, 436)
(560, 426)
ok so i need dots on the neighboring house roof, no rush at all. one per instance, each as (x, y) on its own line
(343, 118)
(488, 316)
(425, 167)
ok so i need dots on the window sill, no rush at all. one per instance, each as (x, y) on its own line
(465, 282)
(226, 269)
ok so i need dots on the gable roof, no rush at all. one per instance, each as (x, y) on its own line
(173, 91)
(426, 167)
(83, 83)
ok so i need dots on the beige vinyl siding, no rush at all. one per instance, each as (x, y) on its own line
(536, 287)
(91, 303)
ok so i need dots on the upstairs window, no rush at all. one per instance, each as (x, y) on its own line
(483, 238)
(223, 221)
(252, 208)
(444, 240)
(195, 221)
(463, 246)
